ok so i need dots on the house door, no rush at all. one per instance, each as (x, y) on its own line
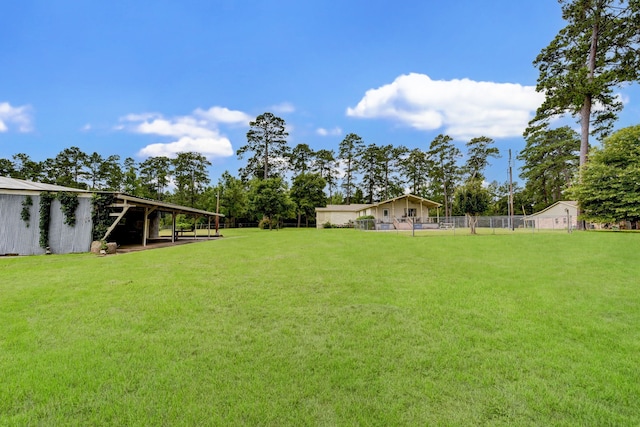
(385, 215)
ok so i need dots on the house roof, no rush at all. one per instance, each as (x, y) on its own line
(411, 197)
(360, 207)
(566, 203)
(22, 185)
(343, 208)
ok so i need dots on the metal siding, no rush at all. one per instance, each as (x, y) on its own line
(17, 238)
(64, 239)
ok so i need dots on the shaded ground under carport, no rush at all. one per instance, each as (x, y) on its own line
(162, 243)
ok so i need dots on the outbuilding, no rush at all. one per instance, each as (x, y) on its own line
(38, 218)
(558, 216)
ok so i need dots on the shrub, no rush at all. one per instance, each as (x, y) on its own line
(264, 224)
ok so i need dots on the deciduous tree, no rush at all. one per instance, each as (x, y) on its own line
(609, 191)
(269, 199)
(473, 200)
(307, 193)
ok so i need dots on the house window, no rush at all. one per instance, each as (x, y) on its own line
(556, 220)
(411, 212)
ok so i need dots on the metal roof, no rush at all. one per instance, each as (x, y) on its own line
(22, 185)
(14, 184)
(139, 201)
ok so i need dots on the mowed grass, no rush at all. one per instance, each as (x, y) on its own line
(327, 327)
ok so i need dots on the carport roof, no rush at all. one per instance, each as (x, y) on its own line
(164, 206)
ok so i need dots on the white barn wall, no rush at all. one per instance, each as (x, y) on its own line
(17, 238)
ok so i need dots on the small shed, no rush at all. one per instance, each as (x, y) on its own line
(558, 216)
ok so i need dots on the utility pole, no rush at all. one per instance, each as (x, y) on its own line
(217, 212)
(511, 192)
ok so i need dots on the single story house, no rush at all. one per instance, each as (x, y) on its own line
(558, 216)
(403, 212)
(125, 219)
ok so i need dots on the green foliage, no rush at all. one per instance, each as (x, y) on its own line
(350, 150)
(154, 176)
(25, 213)
(550, 164)
(596, 52)
(327, 225)
(307, 194)
(46, 199)
(100, 214)
(443, 170)
(478, 152)
(233, 198)
(414, 167)
(191, 177)
(473, 200)
(268, 198)
(365, 217)
(69, 203)
(609, 191)
(267, 140)
(265, 224)
(325, 164)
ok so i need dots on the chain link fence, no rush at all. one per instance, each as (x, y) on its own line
(454, 222)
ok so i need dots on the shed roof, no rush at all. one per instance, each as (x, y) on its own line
(566, 203)
(14, 184)
(7, 183)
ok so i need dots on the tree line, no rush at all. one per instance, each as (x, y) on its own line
(278, 181)
(594, 54)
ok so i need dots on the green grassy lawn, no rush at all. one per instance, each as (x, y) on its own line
(327, 327)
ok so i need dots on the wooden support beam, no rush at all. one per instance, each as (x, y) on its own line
(115, 223)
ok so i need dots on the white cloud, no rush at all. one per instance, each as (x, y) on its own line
(464, 108)
(218, 146)
(223, 115)
(198, 132)
(336, 131)
(283, 108)
(20, 117)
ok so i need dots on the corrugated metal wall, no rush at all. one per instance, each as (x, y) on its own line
(17, 238)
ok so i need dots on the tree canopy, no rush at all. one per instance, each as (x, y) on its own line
(609, 191)
(550, 164)
(596, 52)
(267, 140)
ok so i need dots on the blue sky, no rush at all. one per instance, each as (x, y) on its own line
(157, 77)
